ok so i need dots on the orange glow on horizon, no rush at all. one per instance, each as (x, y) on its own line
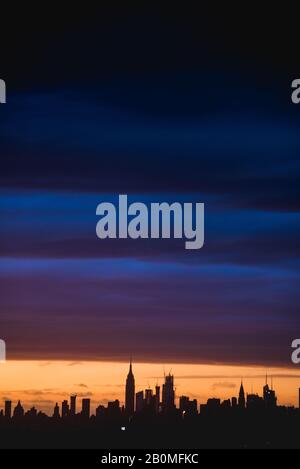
(43, 383)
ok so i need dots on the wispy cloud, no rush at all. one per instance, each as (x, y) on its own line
(224, 385)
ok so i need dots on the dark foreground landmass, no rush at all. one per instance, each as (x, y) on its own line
(280, 430)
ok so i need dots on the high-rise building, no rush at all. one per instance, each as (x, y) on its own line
(254, 402)
(139, 401)
(157, 398)
(130, 392)
(31, 413)
(226, 404)
(7, 410)
(168, 393)
(269, 396)
(212, 408)
(150, 401)
(113, 408)
(18, 411)
(65, 409)
(73, 405)
(183, 403)
(86, 408)
(187, 407)
(148, 396)
(242, 400)
(56, 412)
(100, 411)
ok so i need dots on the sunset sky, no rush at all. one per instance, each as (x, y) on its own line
(162, 112)
(44, 383)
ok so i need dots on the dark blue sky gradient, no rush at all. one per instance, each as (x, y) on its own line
(212, 127)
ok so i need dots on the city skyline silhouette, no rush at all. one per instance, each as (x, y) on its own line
(134, 401)
(154, 410)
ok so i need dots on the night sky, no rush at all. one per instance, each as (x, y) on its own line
(163, 107)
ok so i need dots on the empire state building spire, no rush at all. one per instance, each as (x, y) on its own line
(130, 391)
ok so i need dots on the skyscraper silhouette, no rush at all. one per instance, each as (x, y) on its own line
(73, 405)
(157, 398)
(86, 408)
(7, 411)
(18, 411)
(168, 393)
(130, 391)
(269, 395)
(56, 412)
(242, 401)
(65, 409)
(139, 401)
